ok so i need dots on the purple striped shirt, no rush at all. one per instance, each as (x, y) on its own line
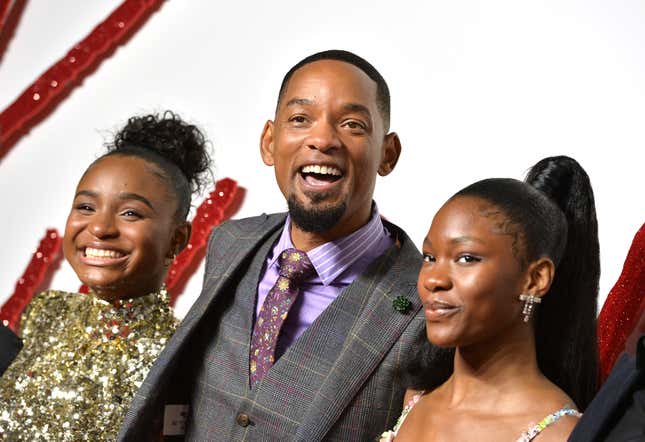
(337, 264)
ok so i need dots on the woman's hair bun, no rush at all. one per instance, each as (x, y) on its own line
(167, 135)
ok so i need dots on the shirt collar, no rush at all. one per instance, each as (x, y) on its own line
(331, 259)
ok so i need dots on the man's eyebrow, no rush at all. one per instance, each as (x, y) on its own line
(427, 243)
(299, 101)
(85, 193)
(136, 196)
(356, 107)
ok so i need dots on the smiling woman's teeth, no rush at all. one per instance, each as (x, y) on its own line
(101, 253)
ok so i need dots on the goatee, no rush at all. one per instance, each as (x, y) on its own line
(315, 220)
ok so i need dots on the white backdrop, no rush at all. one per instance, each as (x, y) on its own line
(479, 89)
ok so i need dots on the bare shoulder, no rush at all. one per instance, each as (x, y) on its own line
(559, 430)
(550, 400)
(409, 394)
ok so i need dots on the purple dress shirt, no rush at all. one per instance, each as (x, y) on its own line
(337, 264)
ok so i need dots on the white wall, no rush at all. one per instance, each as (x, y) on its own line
(479, 89)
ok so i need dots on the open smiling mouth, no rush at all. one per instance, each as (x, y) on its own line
(102, 253)
(317, 175)
(102, 257)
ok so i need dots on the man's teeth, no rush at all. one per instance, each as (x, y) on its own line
(322, 170)
(102, 253)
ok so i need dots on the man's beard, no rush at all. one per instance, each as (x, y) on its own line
(315, 220)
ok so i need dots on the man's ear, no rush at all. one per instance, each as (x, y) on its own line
(391, 153)
(539, 277)
(266, 143)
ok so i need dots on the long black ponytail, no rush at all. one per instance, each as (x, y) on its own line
(565, 325)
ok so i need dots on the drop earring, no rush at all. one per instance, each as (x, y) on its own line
(529, 302)
(169, 260)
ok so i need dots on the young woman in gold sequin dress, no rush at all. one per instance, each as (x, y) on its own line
(508, 283)
(84, 356)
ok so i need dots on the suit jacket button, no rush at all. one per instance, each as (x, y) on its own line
(243, 419)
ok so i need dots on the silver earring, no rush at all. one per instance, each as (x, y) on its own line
(529, 302)
(170, 260)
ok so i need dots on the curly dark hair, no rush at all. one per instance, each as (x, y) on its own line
(179, 150)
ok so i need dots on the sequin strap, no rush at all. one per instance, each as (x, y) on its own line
(550, 419)
(388, 436)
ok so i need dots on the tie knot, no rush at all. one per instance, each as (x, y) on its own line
(295, 265)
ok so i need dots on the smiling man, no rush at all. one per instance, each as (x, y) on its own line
(327, 144)
(296, 335)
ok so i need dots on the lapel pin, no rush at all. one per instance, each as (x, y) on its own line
(401, 304)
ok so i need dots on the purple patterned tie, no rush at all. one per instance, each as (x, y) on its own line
(294, 267)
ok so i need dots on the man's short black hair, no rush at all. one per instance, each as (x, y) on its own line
(382, 91)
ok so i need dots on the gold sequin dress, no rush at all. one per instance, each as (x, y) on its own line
(82, 362)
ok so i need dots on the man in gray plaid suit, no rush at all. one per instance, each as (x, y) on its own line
(353, 324)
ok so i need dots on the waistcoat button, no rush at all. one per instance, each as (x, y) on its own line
(243, 419)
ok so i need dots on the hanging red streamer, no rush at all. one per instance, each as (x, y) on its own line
(4, 12)
(55, 84)
(46, 254)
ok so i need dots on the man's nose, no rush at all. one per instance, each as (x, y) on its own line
(323, 137)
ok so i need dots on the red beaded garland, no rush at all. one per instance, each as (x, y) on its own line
(4, 12)
(47, 252)
(52, 86)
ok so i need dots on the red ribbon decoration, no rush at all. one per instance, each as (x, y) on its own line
(4, 12)
(54, 85)
(46, 254)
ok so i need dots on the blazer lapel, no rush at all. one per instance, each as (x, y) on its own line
(227, 259)
(376, 328)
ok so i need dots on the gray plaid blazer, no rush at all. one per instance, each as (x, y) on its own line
(337, 382)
